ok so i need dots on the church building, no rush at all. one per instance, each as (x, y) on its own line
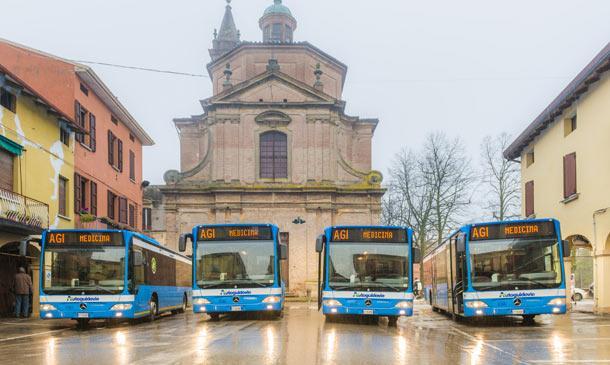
(273, 145)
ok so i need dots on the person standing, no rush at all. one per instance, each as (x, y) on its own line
(23, 289)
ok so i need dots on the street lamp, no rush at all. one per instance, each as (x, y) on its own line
(299, 220)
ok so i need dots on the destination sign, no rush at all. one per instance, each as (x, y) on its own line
(83, 238)
(512, 230)
(238, 233)
(368, 235)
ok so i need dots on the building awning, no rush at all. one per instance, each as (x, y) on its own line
(12, 147)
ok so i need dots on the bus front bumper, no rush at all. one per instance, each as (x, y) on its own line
(86, 314)
(366, 311)
(237, 307)
(513, 310)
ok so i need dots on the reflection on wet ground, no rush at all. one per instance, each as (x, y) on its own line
(304, 337)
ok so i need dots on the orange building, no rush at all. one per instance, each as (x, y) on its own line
(108, 157)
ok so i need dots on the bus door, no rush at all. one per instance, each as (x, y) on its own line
(284, 264)
(458, 248)
(320, 247)
(452, 287)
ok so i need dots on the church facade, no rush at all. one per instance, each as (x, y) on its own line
(273, 145)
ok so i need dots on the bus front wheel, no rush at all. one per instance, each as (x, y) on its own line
(153, 310)
(184, 305)
(529, 320)
(215, 317)
(392, 321)
(82, 323)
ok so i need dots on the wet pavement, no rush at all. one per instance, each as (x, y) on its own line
(304, 337)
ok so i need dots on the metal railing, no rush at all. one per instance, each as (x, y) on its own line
(21, 209)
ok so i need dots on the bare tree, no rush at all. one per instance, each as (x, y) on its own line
(501, 177)
(411, 198)
(429, 190)
(447, 171)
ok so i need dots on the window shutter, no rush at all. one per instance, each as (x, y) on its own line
(92, 123)
(110, 148)
(569, 175)
(132, 216)
(93, 198)
(132, 165)
(120, 155)
(147, 219)
(529, 198)
(77, 194)
(79, 135)
(123, 210)
(110, 205)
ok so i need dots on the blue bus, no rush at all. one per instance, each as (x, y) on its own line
(499, 269)
(366, 271)
(110, 274)
(236, 268)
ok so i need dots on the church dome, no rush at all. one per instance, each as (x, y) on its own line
(277, 8)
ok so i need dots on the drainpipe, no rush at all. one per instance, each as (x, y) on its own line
(595, 281)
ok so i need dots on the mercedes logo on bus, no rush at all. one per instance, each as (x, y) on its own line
(235, 299)
(83, 306)
(368, 302)
(517, 302)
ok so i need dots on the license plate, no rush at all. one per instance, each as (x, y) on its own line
(235, 309)
(518, 311)
(83, 315)
(367, 311)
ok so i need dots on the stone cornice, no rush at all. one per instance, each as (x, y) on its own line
(194, 188)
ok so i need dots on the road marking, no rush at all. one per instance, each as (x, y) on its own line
(32, 335)
(25, 323)
(478, 340)
(571, 361)
(546, 339)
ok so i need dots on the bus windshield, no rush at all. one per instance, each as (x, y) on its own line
(231, 264)
(84, 263)
(514, 264)
(368, 266)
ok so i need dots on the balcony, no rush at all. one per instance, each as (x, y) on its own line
(22, 215)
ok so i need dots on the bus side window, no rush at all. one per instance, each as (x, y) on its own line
(139, 268)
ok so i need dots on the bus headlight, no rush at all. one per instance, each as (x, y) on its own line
(476, 304)
(557, 302)
(332, 303)
(201, 301)
(121, 307)
(271, 300)
(47, 307)
(404, 305)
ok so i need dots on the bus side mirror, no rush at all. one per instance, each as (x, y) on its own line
(182, 241)
(138, 258)
(283, 252)
(416, 255)
(320, 244)
(566, 248)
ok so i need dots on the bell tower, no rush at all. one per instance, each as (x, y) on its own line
(278, 24)
(228, 37)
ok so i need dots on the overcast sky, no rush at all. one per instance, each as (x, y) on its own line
(469, 67)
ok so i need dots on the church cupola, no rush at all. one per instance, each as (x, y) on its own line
(228, 36)
(278, 24)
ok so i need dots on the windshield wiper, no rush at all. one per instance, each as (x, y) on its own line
(536, 282)
(89, 288)
(217, 285)
(345, 287)
(382, 285)
(234, 283)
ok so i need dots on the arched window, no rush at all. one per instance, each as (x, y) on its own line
(273, 155)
